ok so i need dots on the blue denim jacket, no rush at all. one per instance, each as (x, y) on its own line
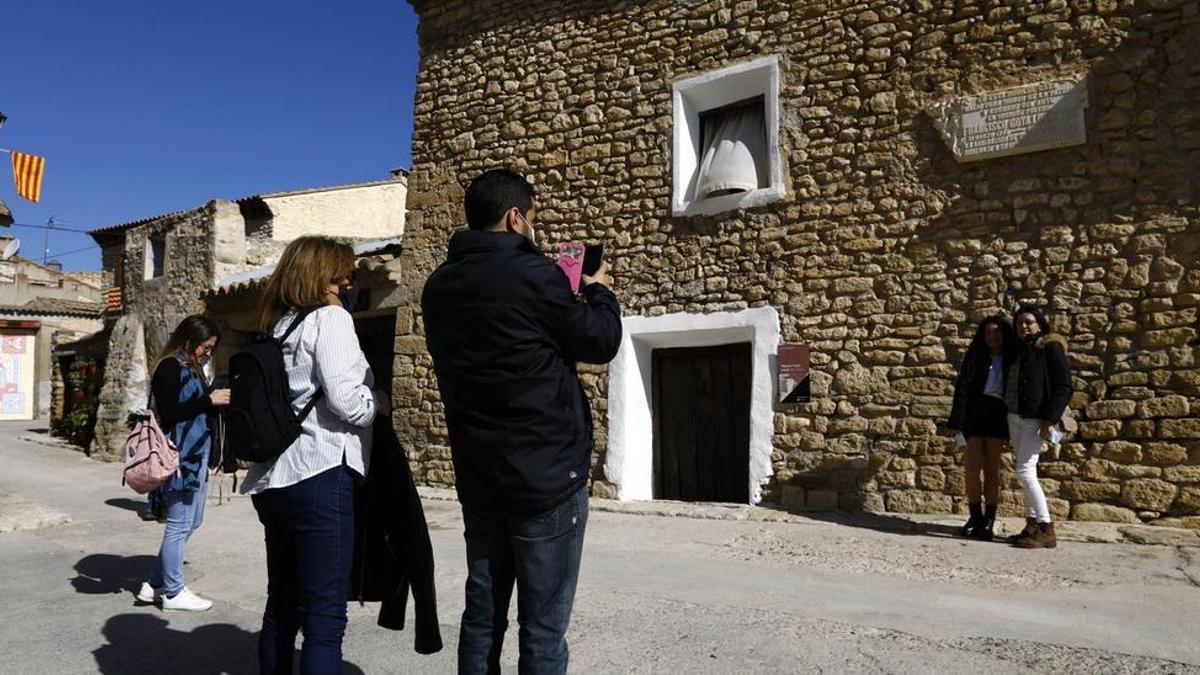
(191, 437)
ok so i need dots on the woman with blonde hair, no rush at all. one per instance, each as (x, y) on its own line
(305, 497)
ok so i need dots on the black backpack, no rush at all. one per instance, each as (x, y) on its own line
(260, 423)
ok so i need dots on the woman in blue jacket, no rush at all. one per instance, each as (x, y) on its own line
(180, 395)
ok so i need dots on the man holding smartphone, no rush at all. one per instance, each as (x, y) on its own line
(505, 332)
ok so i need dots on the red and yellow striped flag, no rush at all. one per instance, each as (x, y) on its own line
(27, 174)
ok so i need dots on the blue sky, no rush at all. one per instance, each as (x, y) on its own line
(148, 106)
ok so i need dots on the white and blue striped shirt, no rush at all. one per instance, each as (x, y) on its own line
(322, 354)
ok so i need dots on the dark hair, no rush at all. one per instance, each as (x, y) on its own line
(190, 332)
(1036, 313)
(979, 346)
(493, 193)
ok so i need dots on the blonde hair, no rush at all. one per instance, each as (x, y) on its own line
(305, 270)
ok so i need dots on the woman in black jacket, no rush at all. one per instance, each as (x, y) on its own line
(1037, 391)
(979, 414)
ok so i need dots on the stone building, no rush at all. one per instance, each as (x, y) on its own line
(40, 307)
(162, 269)
(866, 205)
(233, 302)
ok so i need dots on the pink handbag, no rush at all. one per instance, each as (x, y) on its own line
(150, 458)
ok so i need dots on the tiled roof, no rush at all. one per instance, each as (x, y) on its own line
(121, 227)
(95, 344)
(94, 279)
(56, 307)
(324, 188)
(255, 276)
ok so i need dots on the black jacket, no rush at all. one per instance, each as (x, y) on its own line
(972, 377)
(392, 552)
(165, 383)
(1045, 385)
(505, 333)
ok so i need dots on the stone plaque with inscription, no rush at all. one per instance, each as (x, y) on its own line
(1013, 121)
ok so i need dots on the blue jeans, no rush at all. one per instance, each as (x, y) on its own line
(541, 554)
(185, 512)
(309, 530)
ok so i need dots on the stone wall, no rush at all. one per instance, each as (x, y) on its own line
(886, 251)
(126, 386)
(153, 307)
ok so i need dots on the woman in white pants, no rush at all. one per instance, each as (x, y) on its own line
(1037, 390)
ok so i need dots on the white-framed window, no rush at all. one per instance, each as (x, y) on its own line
(156, 256)
(726, 139)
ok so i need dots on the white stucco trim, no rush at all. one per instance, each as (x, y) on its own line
(695, 95)
(629, 462)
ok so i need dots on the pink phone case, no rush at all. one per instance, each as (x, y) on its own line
(570, 261)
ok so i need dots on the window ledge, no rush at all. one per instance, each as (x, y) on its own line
(711, 90)
(744, 200)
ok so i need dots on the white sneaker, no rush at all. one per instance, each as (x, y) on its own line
(149, 594)
(185, 601)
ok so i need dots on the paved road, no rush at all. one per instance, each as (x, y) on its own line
(656, 594)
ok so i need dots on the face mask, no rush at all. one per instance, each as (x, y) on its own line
(530, 233)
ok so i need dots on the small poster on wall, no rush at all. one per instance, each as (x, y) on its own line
(794, 374)
(16, 377)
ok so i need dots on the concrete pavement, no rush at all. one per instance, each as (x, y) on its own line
(657, 594)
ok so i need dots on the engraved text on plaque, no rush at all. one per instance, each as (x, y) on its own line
(1024, 119)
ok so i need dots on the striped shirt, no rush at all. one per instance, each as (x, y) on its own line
(322, 354)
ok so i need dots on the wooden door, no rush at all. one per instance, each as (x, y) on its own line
(701, 398)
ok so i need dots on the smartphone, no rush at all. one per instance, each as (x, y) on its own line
(570, 261)
(593, 256)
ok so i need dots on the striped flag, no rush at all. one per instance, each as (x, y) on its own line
(27, 174)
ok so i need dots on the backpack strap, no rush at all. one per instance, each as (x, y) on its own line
(312, 403)
(300, 314)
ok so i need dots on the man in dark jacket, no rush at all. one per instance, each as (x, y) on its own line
(505, 332)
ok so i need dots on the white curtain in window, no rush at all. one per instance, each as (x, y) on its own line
(735, 152)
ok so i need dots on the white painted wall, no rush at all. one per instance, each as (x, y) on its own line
(629, 462)
(366, 211)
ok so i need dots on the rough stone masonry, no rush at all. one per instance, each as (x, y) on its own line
(886, 250)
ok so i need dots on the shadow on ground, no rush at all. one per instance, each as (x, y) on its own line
(145, 643)
(102, 573)
(127, 503)
(886, 523)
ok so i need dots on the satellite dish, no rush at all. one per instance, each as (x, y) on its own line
(11, 249)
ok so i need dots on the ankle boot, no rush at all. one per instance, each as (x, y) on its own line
(986, 531)
(1031, 526)
(973, 523)
(1043, 538)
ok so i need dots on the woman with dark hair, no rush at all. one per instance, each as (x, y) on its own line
(980, 415)
(1037, 391)
(180, 394)
(305, 497)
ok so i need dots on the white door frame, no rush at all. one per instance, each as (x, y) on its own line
(629, 462)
